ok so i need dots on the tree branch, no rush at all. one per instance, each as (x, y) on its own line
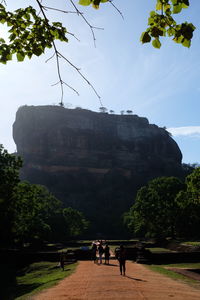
(60, 10)
(111, 2)
(59, 55)
(86, 21)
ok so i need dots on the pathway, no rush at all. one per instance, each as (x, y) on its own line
(95, 282)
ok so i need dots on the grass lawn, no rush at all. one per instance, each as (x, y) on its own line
(191, 243)
(157, 249)
(34, 278)
(163, 270)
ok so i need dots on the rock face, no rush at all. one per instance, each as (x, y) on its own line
(93, 161)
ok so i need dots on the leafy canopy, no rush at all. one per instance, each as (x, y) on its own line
(161, 23)
(31, 31)
(167, 207)
(33, 207)
(155, 210)
(95, 3)
(29, 212)
(30, 34)
(9, 178)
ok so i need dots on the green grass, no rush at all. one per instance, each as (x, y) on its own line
(185, 265)
(192, 243)
(162, 269)
(34, 278)
(65, 249)
(157, 249)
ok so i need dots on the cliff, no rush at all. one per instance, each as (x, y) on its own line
(92, 161)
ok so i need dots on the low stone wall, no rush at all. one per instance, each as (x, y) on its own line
(20, 258)
(175, 257)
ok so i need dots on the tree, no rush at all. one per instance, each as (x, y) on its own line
(193, 185)
(75, 222)
(103, 109)
(9, 178)
(39, 216)
(31, 31)
(189, 202)
(29, 212)
(129, 112)
(156, 210)
(33, 208)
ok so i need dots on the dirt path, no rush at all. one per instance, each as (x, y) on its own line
(95, 282)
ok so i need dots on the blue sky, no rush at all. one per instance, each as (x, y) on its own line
(162, 85)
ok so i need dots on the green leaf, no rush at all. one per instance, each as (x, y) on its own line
(185, 4)
(38, 50)
(159, 5)
(2, 20)
(156, 43)
(186, 43)
(177, 9)
(156, 32)
(178, 39)
(145, 37)
(171, 31)
(152, 13)
(2, 41)
(9, 56)
(85, 2)
(20, 56)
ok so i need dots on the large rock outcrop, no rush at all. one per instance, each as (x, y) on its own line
(93, 161)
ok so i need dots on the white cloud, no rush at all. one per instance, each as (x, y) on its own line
(193, 131)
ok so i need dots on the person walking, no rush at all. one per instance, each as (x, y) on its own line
(121, 256)
(62, 261)
(94, 252)
(100, 251)
(107, 254)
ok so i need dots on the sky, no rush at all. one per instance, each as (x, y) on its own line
(162, 85)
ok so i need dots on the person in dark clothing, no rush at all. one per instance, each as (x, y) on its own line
(107, 254)
(62, 261)
(101, 251)
(122, 260)
(94, 252)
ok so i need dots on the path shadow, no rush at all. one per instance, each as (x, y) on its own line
(137, 279)
(22, 289)
(111, 265)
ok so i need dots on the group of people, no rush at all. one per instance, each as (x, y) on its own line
(120, 254)
(100, 250)
(97, 247)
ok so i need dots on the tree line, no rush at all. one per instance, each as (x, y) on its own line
(29, 213)
(167, 207)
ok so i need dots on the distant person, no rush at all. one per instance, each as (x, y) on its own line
(100, 251)
(121, 256)
(94, 252)
(62, 261)
(107, 254)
